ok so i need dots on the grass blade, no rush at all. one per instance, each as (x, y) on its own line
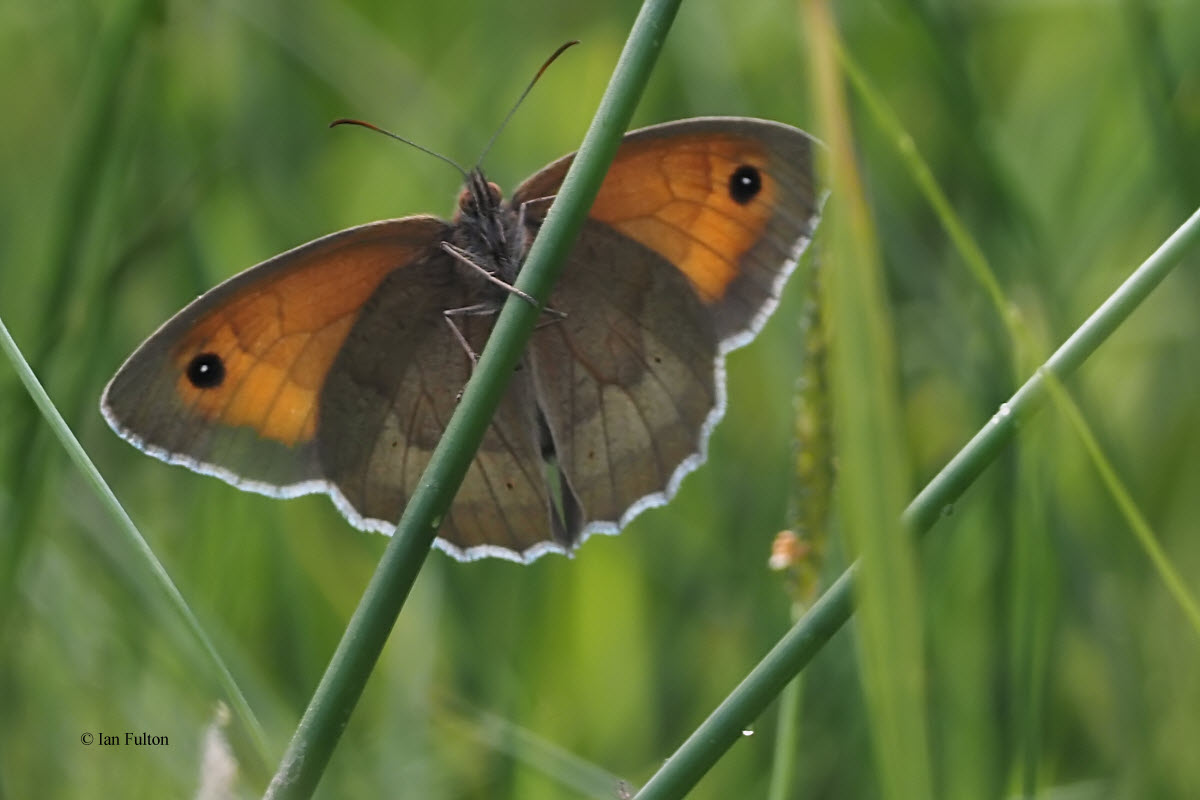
(805, 639)
(134, 537)
(355, 657)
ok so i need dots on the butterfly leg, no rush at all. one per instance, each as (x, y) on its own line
(477, 310)
(555, 316)
(464, 257)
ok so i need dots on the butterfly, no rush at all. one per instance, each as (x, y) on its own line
(334, 367)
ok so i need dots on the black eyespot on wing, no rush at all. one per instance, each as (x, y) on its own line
(744, 184)
(206, 371)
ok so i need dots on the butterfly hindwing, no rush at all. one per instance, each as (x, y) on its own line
(683, 256)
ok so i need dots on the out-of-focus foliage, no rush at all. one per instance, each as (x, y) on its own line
(1064, 133)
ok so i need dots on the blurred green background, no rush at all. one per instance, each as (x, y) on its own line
(150, 150)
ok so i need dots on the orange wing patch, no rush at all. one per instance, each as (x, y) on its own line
(674, 197)
(278, 336)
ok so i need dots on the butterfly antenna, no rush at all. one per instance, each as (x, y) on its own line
(521, 99)
(399, 138)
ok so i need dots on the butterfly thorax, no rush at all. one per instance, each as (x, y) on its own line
(488, 230)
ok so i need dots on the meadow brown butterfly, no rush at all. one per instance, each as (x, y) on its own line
(335, 366)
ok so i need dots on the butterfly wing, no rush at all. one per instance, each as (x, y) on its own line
(386, 403)
(684, 254)
(330, 368)
(265, 340)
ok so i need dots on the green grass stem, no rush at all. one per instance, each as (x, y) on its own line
(364, 638)
(134, 538)
(970, 251)
(787, 739)
(1023, 342)
(805, 639)
(1176, 586)
(75, 206)
(874, 468)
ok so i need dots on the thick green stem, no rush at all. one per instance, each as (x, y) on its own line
(723, 727)
(356, 655)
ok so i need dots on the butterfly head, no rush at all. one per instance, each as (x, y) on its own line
(487, 229)
(478, 198)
